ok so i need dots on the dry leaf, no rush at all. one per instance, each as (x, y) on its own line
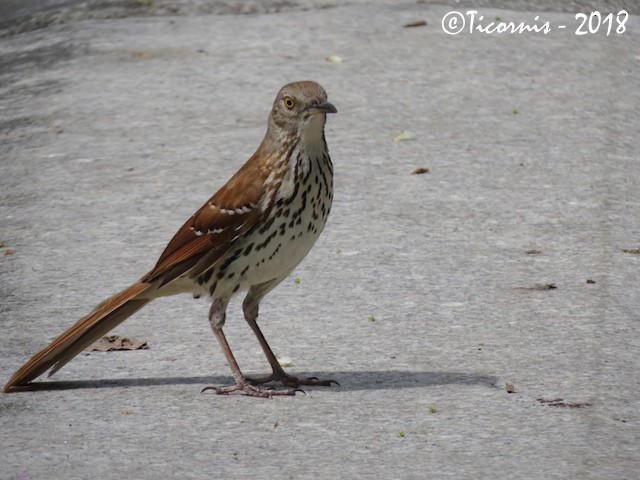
(420, 171)
(125, 411)
(509, 388)
(403, 136)
(1, 244)
(8, 251)
(540, 286)
(115, 342)
(559, 402)
(417, 23)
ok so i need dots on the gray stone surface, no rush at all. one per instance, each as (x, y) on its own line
(113, 131)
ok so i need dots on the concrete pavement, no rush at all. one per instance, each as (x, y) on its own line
(426, 294)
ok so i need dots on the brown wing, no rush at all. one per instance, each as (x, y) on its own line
(214, 228)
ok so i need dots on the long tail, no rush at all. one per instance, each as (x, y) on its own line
(106, 316)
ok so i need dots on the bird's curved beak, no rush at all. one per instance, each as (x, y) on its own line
(322, 107)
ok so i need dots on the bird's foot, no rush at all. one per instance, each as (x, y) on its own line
(246, 388)
(291, 381)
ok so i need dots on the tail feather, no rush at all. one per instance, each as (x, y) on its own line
(83, 333)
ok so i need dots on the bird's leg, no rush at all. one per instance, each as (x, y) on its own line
(278, 374)
(250, 308)
(217, 315)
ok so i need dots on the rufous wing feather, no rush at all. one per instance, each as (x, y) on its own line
(211, 232)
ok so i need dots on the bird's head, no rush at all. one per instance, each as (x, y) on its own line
(299, 110)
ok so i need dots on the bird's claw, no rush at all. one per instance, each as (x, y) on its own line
(291, 381)
(250, 390)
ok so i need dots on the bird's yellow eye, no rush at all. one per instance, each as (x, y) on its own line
(289, 103)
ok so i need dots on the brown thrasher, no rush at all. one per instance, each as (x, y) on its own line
(249, 236)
